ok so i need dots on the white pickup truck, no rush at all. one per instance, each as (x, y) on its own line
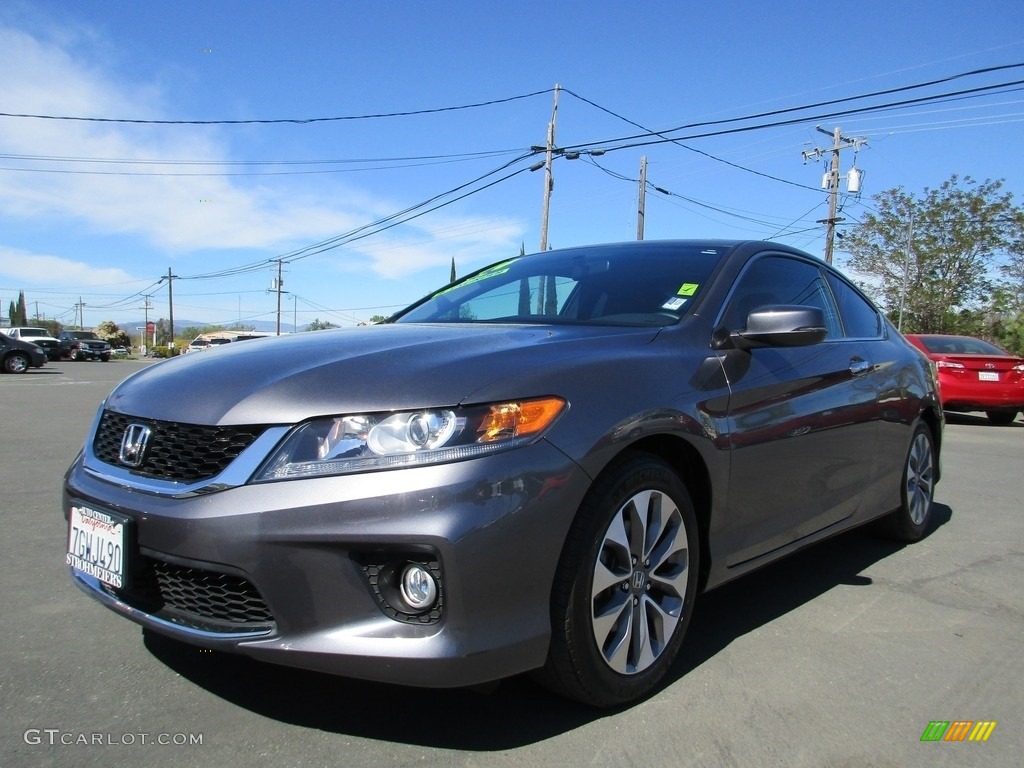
(38, 336)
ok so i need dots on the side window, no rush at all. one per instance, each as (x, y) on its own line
(780, 280)
(860, 319)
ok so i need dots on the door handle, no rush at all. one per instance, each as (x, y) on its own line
(859, 366)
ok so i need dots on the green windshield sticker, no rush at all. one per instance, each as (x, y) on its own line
(687, 289)
(492, 271)
(498, 269)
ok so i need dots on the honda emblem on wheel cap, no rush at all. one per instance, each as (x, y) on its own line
(133, 445)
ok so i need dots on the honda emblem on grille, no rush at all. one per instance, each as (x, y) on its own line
(133, 445)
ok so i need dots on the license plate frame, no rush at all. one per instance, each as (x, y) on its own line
(98, 544)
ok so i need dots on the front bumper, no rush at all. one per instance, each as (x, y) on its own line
(494, 527)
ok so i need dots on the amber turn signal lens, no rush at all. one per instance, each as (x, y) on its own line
(520, 419)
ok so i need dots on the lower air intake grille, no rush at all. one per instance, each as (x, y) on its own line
(197, 598)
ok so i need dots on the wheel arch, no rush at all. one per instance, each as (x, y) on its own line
(687, 462)
(934, 419)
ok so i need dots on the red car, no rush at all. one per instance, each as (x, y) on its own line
(975, 375)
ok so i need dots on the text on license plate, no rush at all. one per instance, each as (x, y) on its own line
(988, 376)
(96, 545)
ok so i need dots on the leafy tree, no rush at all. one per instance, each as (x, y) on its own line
(931, 258)
(109, 331)
(320, 325)
(52, 326)
(376, 319)
(1012, 269)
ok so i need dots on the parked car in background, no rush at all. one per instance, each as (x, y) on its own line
(975, 375)
(38, 336)
(83, 345)
(120, 352)
(206, 342)
(17, 356)
(537, 467)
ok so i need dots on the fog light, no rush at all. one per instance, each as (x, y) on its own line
(419, 589)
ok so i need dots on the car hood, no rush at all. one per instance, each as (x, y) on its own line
(288, 379)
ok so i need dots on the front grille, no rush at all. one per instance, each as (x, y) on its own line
(195, 597)
(176, 451)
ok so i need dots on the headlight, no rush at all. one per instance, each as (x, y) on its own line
(358, 443)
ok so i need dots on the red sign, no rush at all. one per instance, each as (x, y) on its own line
(150, 327)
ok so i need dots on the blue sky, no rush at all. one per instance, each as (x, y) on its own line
(218, 204)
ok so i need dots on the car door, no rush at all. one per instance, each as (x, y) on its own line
(802, 420)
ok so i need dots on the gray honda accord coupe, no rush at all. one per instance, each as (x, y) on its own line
(535, 468)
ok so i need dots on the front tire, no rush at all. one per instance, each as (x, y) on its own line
(16, 363)
(625, 586)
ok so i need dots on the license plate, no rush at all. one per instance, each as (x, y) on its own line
(988, 376)
(97, 545)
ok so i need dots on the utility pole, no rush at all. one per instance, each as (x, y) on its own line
(906, 269)
(170, 278)
(145, 307)
(839, 142)
(549, 182)
(278, 285)
(543, 288)
(641, 198)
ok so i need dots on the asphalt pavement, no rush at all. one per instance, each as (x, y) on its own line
(842, 656)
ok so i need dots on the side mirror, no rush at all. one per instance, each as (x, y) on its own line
(782, 325)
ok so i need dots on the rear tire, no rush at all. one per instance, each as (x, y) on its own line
(909, 522)
(624, 590)
(1001, 418)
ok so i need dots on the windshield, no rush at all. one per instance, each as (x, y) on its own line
(34, 332)
(960, 345)
(610, 285)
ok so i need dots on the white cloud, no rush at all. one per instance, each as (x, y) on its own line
(26, 268)
(172, 214)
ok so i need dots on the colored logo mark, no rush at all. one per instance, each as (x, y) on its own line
(958, 730)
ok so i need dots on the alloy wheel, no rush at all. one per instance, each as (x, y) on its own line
(639, 582)
(920, 479)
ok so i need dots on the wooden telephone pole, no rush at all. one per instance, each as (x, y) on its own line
(641, 199)
(839, 142)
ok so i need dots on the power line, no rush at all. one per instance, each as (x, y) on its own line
(679, 143)
(387, 165)
(276, 121)
(815, 105)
